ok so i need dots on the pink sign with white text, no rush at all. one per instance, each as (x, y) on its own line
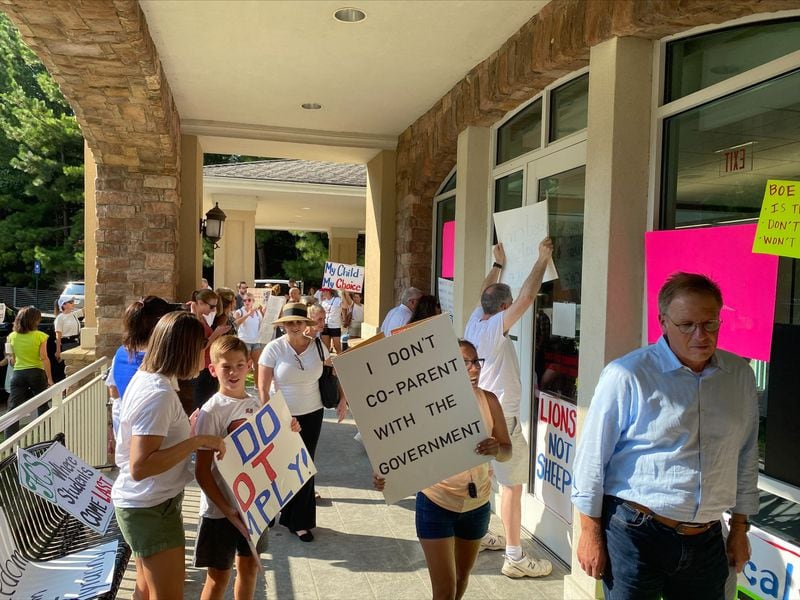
(448, 248)
(747, 281)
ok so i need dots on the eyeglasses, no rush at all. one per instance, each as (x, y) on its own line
(687, 328)
(209, 304)
(247, 301)
(299, 362)
(478, 362)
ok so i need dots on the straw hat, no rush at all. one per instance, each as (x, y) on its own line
(293, 311)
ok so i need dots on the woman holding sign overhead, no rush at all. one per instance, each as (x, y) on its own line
(452, 516)
(293, 363)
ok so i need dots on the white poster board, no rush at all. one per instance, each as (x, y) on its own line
(445, 288)
(339, 276)
(82, 575)
(62, 478)
(555, 453)
(520, 230)
(260, 295)
(265, 464)
(272, 312)
(414, 405)
(773, 569)
(565, 319)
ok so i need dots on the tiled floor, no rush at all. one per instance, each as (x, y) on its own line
(363, 549)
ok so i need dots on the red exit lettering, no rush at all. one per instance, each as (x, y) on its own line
(735, 160)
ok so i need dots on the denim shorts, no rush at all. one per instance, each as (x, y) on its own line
(254, 347)
(434, 522)
(154, 529)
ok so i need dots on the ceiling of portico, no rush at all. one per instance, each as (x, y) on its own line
(240, 70)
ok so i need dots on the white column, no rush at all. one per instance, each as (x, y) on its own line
(343, 245)
(235, 259)
(473, 174)
(617, 170)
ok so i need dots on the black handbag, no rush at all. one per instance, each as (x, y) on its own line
(328, 382)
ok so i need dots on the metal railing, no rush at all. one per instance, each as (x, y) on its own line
(81, 416)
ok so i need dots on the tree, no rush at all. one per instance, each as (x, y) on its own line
(41, 171)
(312, 248)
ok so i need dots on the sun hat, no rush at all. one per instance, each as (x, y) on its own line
(293, 311)
(63, 301)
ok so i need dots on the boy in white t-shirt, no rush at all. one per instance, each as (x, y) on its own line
(222, 533)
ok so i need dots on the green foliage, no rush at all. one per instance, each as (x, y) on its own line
(41, 171)
(312, 249)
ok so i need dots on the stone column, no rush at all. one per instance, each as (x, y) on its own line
(190, 244)
(235, 259)
(342, 245)
(618, 151)
(473, 171)
(380, 240)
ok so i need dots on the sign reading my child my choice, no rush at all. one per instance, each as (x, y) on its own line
(266, 463)
(338, 276)
(414, 405)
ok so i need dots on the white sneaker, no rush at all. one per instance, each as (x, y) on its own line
(357, 437)
(526, 567)
(492, 542)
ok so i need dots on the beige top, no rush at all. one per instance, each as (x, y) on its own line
(452, 493)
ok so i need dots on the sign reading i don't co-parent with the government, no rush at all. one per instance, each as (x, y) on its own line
(414, 405)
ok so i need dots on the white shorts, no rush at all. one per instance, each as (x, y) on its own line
(515, 470)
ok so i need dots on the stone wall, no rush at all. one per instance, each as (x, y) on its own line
(102, 57)
(552, 44)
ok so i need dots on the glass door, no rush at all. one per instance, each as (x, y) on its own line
(548, 351)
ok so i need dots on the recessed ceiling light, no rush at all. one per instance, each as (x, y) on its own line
(305, 208)
(311, 106)
(349, 15)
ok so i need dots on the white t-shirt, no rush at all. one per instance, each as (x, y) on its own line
(333, 312)
(220, 416)
(150, 407)
(247, 330)
(397, 317)
(68, 324)
(300, 387)
(500, 373)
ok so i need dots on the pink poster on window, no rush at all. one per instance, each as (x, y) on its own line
(448, 248)
(747, 281)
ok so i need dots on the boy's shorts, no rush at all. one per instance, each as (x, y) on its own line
(217, 542)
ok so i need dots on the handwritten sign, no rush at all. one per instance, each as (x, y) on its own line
(271, 313)
(778, 229)
(260, 295)
(82, 575)
(265, 465)
(773, 569)
(520, 230)
(65, 480)
(414, 405)
(555, 452)
(339, 276)
(446, 295)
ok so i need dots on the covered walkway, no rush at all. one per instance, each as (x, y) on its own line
(363, 549)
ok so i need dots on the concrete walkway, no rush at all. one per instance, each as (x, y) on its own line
(362, 549)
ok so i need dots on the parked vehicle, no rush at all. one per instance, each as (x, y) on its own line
(75, 290)
(284, 283)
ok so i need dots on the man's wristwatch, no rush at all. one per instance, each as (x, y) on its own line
(498, 265)
(746, 523)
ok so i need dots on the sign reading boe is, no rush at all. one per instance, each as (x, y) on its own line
(414, 405)
(265, 465)
(348, 278)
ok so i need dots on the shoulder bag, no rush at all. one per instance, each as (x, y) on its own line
(328, 382)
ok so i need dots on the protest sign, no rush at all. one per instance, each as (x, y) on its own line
(414, 405)
(555, 452)
(777, 231)
(749, 317)
(271, 313)
(771, 573)
(338, 276)
(445, 289)
(520, 230)
(82, 575)
(266, 463)
(65, 480)
(260, 295)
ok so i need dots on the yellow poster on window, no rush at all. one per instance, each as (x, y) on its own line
(778, 230)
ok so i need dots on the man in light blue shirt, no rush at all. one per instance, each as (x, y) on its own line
(668, 444)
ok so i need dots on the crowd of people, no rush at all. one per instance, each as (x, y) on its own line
(641, 535)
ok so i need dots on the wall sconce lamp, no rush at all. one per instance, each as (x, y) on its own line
(211, 226)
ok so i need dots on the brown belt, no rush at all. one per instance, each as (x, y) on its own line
(680, 527)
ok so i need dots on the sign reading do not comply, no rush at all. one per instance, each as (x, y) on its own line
(414, 405)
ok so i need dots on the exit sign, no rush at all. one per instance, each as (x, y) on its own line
(736, 160)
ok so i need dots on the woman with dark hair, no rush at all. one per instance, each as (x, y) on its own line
(452, 516)
(138, 322)
(31, 374)
(154, 448)
(206, 303)
(427, 306)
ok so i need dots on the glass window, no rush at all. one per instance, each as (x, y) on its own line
(568, 108)
(445, 237)
(508, 192)
(449, 185)
(717, 157)
(701, 61)
(522, 133)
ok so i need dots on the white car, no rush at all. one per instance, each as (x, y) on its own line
(75, 290)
